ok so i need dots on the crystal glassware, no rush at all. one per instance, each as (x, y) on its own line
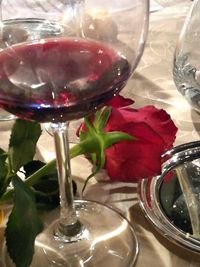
(59, 61)
(186, 67)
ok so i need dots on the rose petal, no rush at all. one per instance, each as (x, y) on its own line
(161, 122)
(132, 160)
(157, 119)
(119, 101)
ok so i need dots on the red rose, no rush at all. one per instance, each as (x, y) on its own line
(141, 158)
(154, 132)
(119, 102)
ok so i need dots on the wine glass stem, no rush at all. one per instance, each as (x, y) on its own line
(68, 225)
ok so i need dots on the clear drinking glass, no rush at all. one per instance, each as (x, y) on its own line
(59, 61)
(186, 68)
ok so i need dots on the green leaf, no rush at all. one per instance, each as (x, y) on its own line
(46, 190)
(3, 171)
(32, 166)
(24, 137)
(23, 225)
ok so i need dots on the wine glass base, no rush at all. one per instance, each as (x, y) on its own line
(107, 239)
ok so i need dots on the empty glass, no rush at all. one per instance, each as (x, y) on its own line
(186, 69)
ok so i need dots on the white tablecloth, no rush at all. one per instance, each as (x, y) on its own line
(152, 83)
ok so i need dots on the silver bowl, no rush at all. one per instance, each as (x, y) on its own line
(171, 210)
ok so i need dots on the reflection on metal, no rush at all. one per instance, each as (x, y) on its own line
(155, 198)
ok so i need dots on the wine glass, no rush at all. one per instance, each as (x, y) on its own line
(74, 56)
(186, 67)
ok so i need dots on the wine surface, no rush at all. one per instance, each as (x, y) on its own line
(59, 79)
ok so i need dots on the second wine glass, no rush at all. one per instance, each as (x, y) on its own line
(186, 67)
(61, 61)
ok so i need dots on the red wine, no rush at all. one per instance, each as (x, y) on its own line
(59, 79)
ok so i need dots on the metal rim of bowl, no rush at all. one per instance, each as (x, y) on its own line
(151, 206)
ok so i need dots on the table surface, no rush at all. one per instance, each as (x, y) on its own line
(152, 83)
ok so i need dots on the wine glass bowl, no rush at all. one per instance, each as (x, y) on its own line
(107, 71)
(186, 67)
(60, 61)
(83, 94)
